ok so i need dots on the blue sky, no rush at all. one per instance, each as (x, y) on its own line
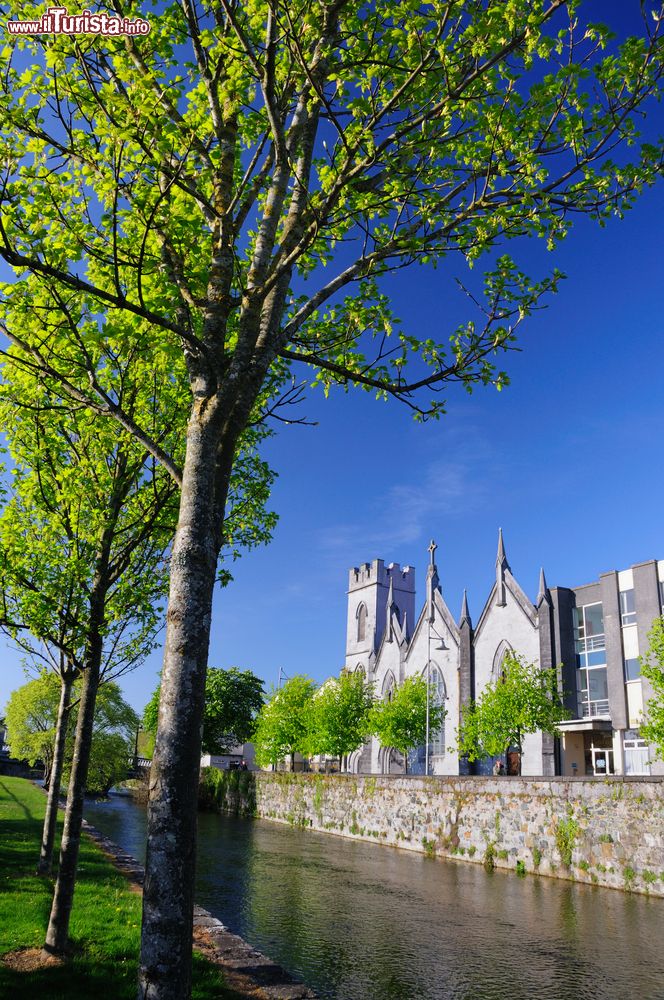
(567, 460)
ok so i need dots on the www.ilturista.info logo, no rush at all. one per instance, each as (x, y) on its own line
(58, 21)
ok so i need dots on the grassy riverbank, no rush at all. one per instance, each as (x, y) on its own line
(106, 917)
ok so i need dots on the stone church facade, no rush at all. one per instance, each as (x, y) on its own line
(589, 632)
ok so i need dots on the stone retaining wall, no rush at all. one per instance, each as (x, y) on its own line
(606, 831)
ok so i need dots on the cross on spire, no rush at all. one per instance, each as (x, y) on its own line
(432, 551)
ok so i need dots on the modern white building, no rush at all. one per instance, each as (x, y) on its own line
(595, 633)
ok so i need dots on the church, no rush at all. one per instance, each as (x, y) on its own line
(594, 634)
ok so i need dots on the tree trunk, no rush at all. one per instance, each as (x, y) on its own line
(57, 935)
(50, 819)
(167, 928)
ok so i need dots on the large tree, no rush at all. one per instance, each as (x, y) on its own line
(82, 546)
(196, 178)
(402, 720)
(32, 717)
(339, 716)
(233, 698)
(282, 725)
(524, 699)
(652, 668)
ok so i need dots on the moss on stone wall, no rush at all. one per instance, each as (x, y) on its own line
(549, 826)
(227, 791)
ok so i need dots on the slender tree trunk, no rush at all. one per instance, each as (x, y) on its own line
(57, 935)
(167, 928)
(47, 773)
(50, 819)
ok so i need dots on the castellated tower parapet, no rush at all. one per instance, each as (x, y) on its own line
(368, 590)
(377, 572)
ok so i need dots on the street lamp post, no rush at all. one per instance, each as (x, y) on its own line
(426, 758)
(431, 574)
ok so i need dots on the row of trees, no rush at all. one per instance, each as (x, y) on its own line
(166, 205)
(337, 718)
(333, 720)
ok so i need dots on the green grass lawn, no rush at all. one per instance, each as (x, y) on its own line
(105, 923)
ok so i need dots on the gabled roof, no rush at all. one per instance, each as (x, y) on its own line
(441, 609)
(519, 596)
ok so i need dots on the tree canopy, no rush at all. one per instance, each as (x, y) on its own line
(401, 721)
(339, 715)
(31, 718)
(233, 698)
(524, 699)
(282, 725)
(652, 668)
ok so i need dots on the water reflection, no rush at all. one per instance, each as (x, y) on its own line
(362, 922)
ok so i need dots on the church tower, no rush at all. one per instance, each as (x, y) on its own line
(374, 590)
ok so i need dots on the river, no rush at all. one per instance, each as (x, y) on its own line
(358, 921)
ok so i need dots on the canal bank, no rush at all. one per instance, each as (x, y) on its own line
(246, 971)
(603, 831)
(357, 922)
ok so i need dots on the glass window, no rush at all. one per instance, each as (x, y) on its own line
(389, 685)
(361, 623)
(593, 616)
(632, 668)
(637, 758)
(594, 690)
(598, 686)
(589, 636)
(627, 608)
(437, 739)
(661, 594)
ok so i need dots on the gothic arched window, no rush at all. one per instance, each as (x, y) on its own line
(437, 685)
(504, 649)
(389, 686)
(361, 616)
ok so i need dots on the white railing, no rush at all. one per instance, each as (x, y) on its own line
(592, 709)
(592, 644)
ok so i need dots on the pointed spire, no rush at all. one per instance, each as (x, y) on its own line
(501, 565)
(388, 611)
(433, 583)
(465, 613)
(501, 558)
(543, 593)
